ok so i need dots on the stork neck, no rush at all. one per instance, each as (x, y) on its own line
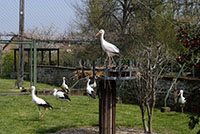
(63, 80)
(54, 93)
(33, 93)
(181, 95)
(102, 37)
(88, 83)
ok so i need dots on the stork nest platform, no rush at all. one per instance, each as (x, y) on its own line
(115, 72)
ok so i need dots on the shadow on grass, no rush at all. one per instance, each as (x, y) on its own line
(52, 130)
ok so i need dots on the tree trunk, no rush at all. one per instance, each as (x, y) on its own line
(150, 124)
(142, 108)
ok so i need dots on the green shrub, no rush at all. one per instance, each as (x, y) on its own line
(7, 65)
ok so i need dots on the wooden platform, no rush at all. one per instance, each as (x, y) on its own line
(117, 72)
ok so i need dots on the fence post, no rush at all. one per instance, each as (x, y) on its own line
(107, 107)
(34, 63)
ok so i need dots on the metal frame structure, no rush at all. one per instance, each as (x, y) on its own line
(33, 56)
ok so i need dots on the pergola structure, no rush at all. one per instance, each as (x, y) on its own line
(41, 50)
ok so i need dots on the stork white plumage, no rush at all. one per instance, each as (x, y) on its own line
(90, 90)
(40, 103)
(60, 95)
(94, 85)
(181, 100)
(109, 48)
(64, 86)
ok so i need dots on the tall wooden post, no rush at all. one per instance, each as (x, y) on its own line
(107, 107)
(58, 57)
(34, 63)
(49, 57)
(21, 46)
(28, 61)
(15, 61)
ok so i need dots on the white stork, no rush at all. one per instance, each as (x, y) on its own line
(60, 95)
(64, 86)
(93, 85)
(40, 103)
(90, 90)
(109, 48)
(181, 100)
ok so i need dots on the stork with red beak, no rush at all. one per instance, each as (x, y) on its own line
(109, 48)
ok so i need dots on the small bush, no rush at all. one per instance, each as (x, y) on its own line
(7, 65)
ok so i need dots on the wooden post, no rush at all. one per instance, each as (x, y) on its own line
(82, 68)
(15, 61)
(107, 107)
(49, 57)
(58, 57)
(21, 46)
(28, 60)
(31, 64)
(34, 63)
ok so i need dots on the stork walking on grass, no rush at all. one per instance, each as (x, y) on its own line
(40, 103)
(64, 86)
(60, 95)
(90, 90)
(109, 48)
(181, 100)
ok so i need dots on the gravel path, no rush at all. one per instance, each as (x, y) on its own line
(95, 130)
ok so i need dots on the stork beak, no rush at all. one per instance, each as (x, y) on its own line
(98, 34)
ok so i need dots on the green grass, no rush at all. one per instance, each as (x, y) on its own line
(19, 115)
(8, 85)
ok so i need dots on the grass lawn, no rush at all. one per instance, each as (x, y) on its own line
(18, 115)
(8, 85)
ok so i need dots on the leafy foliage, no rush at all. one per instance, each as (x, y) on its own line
(8, 64)
(189, 36)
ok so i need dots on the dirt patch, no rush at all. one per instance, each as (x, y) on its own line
(95, 130)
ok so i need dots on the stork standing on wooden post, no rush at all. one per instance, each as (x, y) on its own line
(109, 48)
(40, 103)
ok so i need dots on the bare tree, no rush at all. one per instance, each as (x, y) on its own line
(151, 65)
